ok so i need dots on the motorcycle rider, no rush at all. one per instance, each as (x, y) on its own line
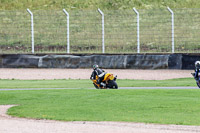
(197, 68)
(100, 73)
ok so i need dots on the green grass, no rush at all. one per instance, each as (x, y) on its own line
(69, 83)
(149, 106)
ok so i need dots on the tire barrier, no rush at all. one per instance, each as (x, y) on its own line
(106, 61)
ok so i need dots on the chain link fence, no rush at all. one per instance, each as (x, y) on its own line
(85, 31)
(14, 32)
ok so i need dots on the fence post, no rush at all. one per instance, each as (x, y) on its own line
(102, 14)
(138, 30)
(68, 45)
(32, 30)
(172, 13)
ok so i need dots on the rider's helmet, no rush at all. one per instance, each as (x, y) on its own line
(197, 64)
(95, 66)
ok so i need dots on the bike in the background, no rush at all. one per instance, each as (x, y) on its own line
(196, 74)
(197, 79)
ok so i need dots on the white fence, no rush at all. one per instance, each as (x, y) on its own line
(121, 31)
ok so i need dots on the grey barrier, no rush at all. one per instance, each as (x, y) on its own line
(106, 61)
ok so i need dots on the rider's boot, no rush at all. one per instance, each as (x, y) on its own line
(115, 78)
(103, 84)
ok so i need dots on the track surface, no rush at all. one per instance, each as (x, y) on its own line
(9, 124)
(94, 88)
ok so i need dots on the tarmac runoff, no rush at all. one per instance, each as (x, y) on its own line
(94, 88)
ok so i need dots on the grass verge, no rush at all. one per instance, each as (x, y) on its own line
(149, 106)
(13, 84)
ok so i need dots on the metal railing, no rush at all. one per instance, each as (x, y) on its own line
(120, 31)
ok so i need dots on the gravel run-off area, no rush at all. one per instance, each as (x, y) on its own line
(28, 74)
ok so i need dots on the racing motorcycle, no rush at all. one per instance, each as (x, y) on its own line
(109, 81)
(197, 80)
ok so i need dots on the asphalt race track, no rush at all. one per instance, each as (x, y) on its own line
(94, 88)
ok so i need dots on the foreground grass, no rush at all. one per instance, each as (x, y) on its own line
(88, 83)
(149, 106)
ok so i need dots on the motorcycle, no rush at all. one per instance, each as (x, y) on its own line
(109, 81)
(197, 80)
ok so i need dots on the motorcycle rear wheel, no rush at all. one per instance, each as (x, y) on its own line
(112, 85)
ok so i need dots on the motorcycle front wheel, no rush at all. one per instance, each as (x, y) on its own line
(95, 86)
(198, 84)
(112, 85)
